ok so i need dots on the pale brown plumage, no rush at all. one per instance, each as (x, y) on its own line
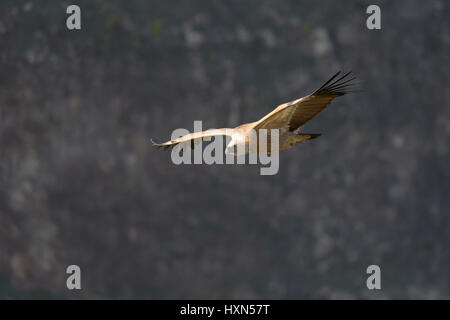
(287, 117)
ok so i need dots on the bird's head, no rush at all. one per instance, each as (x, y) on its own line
(237, 146)
(231, 148)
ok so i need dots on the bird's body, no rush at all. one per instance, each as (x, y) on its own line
(241, 137)
(286, 119)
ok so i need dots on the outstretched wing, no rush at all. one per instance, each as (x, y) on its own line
(193, 136)
(296, 113)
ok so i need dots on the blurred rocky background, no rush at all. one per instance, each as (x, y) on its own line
(81, 184)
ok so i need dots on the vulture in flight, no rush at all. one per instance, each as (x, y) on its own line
(287, 118)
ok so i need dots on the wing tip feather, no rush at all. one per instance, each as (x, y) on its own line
(338, 87)
(165, 146)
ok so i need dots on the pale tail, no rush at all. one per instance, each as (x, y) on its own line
(308, 136)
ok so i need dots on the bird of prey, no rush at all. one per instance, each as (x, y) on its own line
(287, 117)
